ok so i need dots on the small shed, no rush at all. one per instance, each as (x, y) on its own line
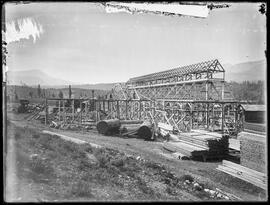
(254, 113)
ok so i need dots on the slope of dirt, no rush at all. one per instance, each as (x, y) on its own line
(204, 172)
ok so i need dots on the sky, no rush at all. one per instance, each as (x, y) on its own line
(82, 43)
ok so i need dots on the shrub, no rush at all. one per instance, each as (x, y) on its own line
(81, 189)
(170, 190)
(117, 162)
(143, 187)
(187, 177)
(39, 166)
(17, 136)
(36, 136)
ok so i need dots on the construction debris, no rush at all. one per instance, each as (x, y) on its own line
(252, 176)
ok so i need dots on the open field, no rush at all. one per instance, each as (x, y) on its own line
(47, 168)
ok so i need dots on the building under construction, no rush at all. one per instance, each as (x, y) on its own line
(188, 97)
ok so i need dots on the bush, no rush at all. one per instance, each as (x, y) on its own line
(117, 162)
(170, 191)
(36, 136)
(143, 187)
(187, 177)
(17, 136)
(81, 189)
(39, 166)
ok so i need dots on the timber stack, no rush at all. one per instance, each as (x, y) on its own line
(253, 151)
(200, 144)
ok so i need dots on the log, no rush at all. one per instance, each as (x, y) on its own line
(181, 156)
(131, 122)
(108, 126)
(145, 130)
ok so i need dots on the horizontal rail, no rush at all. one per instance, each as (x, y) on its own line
(177, 83)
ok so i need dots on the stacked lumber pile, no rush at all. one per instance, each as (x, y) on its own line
(184, 149)
(249, 175)
(253, 151)
(200, 143)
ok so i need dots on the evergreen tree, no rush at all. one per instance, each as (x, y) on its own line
(69, 91)
(31, 94)
(39, 91)
(60, 95)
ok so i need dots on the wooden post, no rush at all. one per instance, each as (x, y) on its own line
(59, 109)
(118, 111)
(73, 109)
(140, 109)
(64, 110)
(191, 114)
(46, 111)
(126, 109)
(81, 112)
(207, 116)
(222, 119)
(206, 91)
(223, 87)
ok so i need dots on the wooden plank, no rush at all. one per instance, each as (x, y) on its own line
(242, 168)
(163, 132)
(194, 144)
(244, 174)
(205, 137)
(188, 147)
(250, 180)
(215, 134)
(234, 144)
(173, 137)
(165, 126)
(192, 133)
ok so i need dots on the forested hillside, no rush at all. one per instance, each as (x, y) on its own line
(253, 92)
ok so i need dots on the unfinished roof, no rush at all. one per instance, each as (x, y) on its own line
(211, 66)
(249, 107)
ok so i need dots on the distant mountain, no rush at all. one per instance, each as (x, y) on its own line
(97, 86)
(251, 71)
(33, 78)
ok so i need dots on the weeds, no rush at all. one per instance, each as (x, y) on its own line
(17, 136)
(81, 189)
(186, 177)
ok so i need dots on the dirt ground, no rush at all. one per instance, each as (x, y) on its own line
(203, 172)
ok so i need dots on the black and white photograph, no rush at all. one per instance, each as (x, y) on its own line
(134, 101)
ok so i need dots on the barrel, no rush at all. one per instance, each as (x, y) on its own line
(145, 130)
(108, 126)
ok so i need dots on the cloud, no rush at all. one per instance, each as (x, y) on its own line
(22, 29)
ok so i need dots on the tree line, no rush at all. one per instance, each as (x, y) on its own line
(250, 91)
